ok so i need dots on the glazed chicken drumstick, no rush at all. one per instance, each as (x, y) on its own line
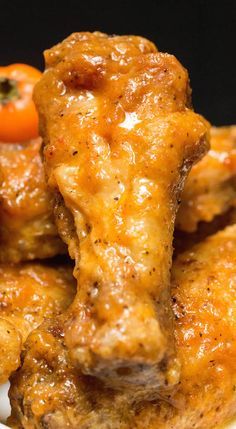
(119, 138)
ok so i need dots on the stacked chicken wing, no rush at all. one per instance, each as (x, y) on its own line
(27, 229)
(148, 341)
(30, 290)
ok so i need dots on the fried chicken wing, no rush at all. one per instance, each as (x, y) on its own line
(28, 294)
(185, 240)
(119, 139)
(49, 392)
(27, 229)
(203, 294)
(210, 188)
(10, 349)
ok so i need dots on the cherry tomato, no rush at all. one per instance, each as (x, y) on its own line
(18, 115)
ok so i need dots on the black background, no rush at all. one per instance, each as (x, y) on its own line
(201, 33)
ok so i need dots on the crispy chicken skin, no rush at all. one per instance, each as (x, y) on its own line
(27, 230)
(119, 138)
(29, 293)
(49, 392)
(210, 188)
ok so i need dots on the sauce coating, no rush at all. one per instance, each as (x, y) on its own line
(119, 138)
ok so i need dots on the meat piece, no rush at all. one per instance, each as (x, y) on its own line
(10, 349)
(49, 392)
(28, 294)
(119, 139)
(210, 189)
(203, 294)
(185, 240)
(27, 229)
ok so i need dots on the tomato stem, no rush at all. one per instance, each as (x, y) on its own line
(8, 90)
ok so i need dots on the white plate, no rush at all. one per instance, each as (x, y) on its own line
(5, 408)
(4, 403)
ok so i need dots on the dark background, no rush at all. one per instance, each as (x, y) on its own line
(201, 33)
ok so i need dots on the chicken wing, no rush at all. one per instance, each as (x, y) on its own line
(119, 139)
(210, 189)
(49, 391)
(27, 229)
(28, 294)
(203, 295)
(185, 240)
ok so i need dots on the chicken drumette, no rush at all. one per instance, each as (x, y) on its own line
(203, 297)
(119, 138)
(210, 188)
(29, 293)
(27, 229)
(50, 392)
